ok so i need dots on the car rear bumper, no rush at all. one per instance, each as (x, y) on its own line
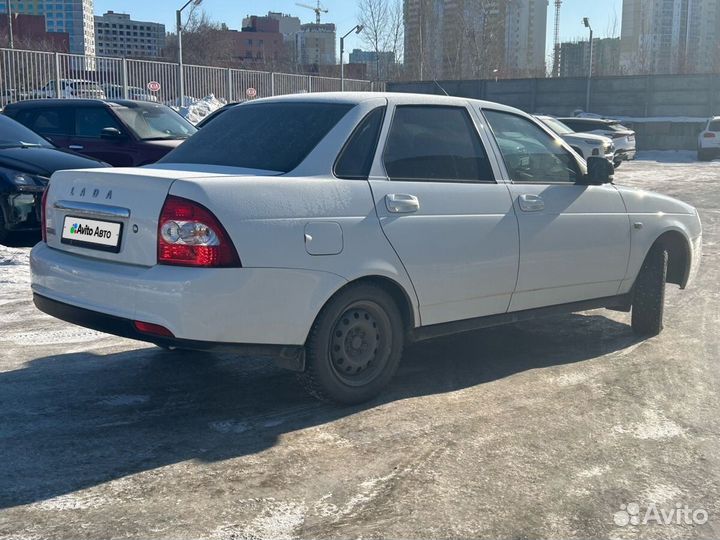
(267, 306)
(118, 326)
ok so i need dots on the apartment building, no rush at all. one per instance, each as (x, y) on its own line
(116, 34)
(475, 38)
(575, 57)
(315, 45)
(670, 36)
(72, 16)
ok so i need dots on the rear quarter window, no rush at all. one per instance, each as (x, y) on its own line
(269, 136)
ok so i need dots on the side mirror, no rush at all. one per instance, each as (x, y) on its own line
(599, 171)
(111, 133)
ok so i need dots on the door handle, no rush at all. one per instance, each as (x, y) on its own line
(401, 203)
(531, 203)
(76, 147)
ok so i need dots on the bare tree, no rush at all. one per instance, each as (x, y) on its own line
(383, 33)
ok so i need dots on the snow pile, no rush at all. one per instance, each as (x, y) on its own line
(196, 109)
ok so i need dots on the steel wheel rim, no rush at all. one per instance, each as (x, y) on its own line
(360, 343)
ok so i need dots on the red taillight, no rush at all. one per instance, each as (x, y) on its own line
(43, 214)
(709, 135)
(190, 235)
(154, 329)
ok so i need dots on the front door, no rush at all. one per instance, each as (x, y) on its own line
(574, 238)
(450, 222)
(89, 123)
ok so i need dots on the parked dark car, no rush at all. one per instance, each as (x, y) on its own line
(213, 115)
(26, 163)
(123, 133)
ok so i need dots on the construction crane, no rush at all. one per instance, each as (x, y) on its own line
(317, 9)
(556, 49)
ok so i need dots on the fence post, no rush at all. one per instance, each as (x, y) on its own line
(125, 78)
(272, 84)
(229, 85)
(309, 83)
(57, 75)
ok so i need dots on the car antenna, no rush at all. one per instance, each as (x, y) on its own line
(441, 88)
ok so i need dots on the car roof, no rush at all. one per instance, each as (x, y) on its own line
(74, 102)
(354, 98)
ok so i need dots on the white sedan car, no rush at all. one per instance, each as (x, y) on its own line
(328, 230)
(709, 140)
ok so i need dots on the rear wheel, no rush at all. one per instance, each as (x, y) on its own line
(354, 346)
(703, 155)
(649, 294)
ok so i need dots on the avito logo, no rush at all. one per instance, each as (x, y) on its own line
(81, 229)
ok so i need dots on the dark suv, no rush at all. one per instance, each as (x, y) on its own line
(120, 132)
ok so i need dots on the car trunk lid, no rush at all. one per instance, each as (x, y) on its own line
(110, 214)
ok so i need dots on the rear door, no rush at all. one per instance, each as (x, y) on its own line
(440, 206)
(53, 123)
(574, 238)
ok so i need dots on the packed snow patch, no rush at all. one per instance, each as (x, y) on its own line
(196, 109)
(14, 266)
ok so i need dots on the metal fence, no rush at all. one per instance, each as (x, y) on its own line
(32, 74)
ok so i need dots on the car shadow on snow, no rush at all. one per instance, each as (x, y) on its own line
(77, 420)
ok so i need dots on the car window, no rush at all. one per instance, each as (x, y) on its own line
(90, 121)
(268, 136)
(714, 125)
(49, 121)
(356, 157)
(435, 144)
(13, 133)
(529, 152)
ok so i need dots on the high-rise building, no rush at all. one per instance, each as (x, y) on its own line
(287, 24)
(116, 34)
(378, 65)
(315, 44)
(72, 16)
(670, 36)
(575, 58)
(471, 38)
(525, 35)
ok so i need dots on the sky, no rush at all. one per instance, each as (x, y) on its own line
(603, 14)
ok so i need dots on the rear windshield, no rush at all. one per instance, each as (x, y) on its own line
(268, 136)
(714, 125)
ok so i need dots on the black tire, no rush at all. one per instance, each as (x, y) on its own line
(354, 347)
(617, 164)
(703, 155)
(649, 294)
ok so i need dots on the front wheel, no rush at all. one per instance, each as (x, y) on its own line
(354, 346)
(649, 294)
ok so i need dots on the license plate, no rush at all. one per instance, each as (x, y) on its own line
(92, 233)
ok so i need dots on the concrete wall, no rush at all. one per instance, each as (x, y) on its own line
(693, 96)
